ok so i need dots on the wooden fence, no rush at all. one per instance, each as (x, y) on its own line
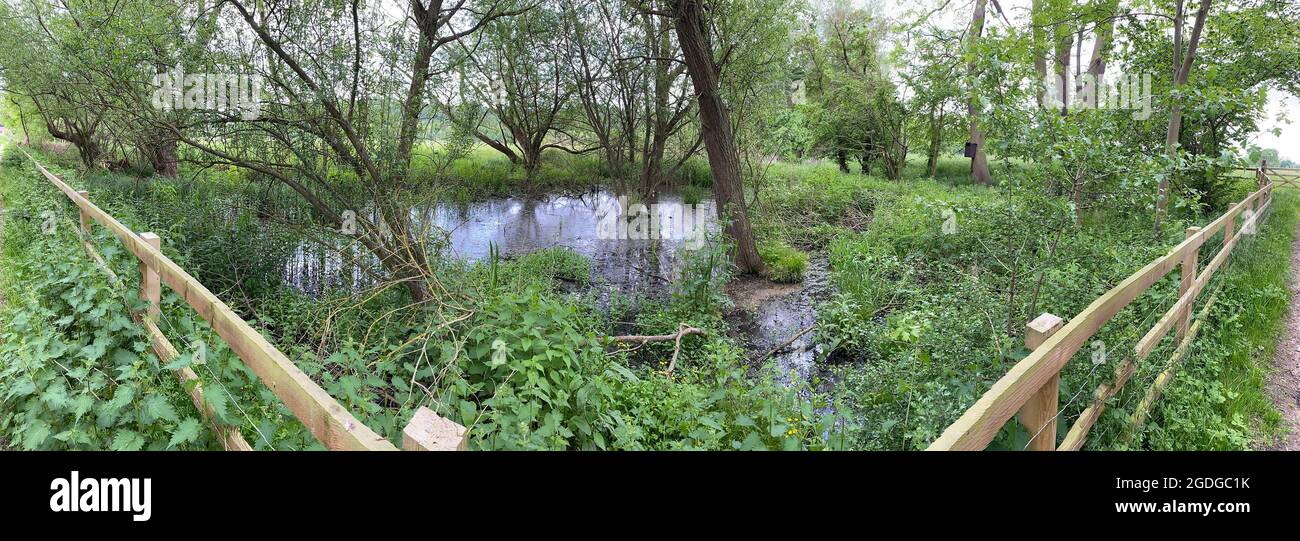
(1282, 177)
(1032, 387)
(327, 420)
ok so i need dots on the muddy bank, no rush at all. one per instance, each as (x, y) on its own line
(776, 318)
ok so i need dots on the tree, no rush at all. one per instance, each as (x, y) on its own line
(633, 89)
(336, 115)
(33, 39)
(518, 70)
(694, 34)
(1182, 68)
(930, 72)
(856, 111)
(979, 162)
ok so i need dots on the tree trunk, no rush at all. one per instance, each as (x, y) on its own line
(715, 123)
(84, 140)
(532, 160)
(1039, 44)
(22, 120)
(652, 167)
(1105, 41)
(979, 163)
(936, 143)
(1182, 70)
(1064, 45)
(161, 151)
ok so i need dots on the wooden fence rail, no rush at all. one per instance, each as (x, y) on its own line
(1031, 387)
(327, 420)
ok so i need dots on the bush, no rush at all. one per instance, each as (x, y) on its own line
(694, 195)
(12, 157)
(77, 373)
(786, 264)
(696, 172)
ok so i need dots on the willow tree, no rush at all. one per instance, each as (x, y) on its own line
(518, 70)
(856, 112)
(353, 88)
(694, 25)
(34, 54)
(631, 85)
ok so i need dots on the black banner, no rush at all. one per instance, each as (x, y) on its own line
(245, 492)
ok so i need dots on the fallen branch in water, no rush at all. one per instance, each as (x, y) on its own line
(785, 344)
(676, 338)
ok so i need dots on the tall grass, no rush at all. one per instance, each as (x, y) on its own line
(1218, 399)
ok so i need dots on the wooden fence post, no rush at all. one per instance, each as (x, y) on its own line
(85, 218)
(429, 432)
(1189, 264)
(1230, 229)
(150, 286)
(1039, 413)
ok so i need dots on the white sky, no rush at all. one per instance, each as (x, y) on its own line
(958, 14)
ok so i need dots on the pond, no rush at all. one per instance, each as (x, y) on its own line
(635, 258)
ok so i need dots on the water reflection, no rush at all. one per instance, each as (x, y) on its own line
(633, 267)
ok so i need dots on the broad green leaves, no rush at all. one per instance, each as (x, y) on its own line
(186, 432)
(73, 369)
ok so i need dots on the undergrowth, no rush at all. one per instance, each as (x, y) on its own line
(1218, 398)
(510, 352)
(932, 284)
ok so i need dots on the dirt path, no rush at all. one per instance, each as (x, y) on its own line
(1284, 385)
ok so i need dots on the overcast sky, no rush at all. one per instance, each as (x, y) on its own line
(958, 14)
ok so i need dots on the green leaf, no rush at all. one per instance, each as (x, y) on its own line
(82, 404)
(121, 397)
(123, 357)
(186, 432)
(55, 396)
(778, 429)
(96, 349)
(217, 400)
(127, 440)
(23, 388)
(183, 360)
(35, 435)
(157, 407)
(753, 443)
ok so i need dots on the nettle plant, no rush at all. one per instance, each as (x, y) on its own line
(78, 373)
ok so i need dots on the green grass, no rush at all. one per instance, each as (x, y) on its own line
(485, 173)
(787, 265)
(1218, 399)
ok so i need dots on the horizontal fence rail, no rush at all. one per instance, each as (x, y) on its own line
(329, 422)
(1031, 387)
